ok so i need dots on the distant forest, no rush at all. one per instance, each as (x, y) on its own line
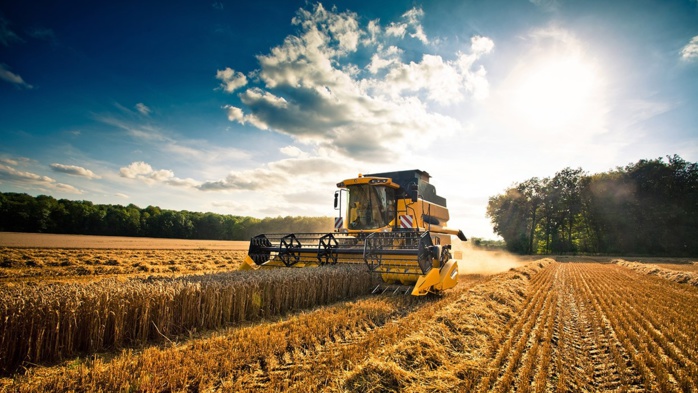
(645, 208)
(45, 214)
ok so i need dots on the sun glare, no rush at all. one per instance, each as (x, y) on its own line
(554, 93)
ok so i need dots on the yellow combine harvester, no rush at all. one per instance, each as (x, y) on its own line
(393, 222)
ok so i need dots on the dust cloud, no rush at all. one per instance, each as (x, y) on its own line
(480, 261)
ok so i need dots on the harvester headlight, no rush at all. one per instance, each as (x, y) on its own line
(377, 181)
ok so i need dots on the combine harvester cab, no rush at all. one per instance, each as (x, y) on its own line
(392, 222)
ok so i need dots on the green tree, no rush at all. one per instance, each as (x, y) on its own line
(507, 213)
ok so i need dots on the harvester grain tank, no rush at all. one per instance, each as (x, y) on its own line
(392, 222)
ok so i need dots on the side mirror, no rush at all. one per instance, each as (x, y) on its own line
(336, 199)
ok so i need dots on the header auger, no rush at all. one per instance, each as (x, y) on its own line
(393, 222)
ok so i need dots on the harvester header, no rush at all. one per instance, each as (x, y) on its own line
(393, 222)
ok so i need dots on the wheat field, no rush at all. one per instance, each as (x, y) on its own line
(535, 326)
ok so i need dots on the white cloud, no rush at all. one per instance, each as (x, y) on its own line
(275, 175)
(384, 59)
(250, 180)
(293, 151)
(136, 169)
(481, 45)
(410, 22)
(15, 161)
(314, 93)
(33, 180)
(690, 51)
(231, 80)
(170, 143)
(11, 77)
(396, 29)
(444, 82)
(343, 29)
(9, 173)
(373, 30)
(441, 81)
(74, 170)
(144, 172)
(143, 109)
(121, 195)
(9, 161)
(413, 17)
(235, 114)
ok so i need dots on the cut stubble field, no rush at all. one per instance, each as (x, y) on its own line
(537, 325)
(44, 258)
(50, 240)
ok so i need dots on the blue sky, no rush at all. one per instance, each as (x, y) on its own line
(261, 108)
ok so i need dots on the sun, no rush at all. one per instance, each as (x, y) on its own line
(553, 93)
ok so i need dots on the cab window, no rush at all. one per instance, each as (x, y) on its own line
(370, 207)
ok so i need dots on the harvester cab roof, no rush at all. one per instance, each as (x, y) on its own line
(411, 181)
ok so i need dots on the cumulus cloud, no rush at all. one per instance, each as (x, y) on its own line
(481, 45)
(310, 89)
(74, 170)
(373, 30)
(144, 172)
(11, 77)
(319, 24)
(231, 80)
(441, 81)
(413, 18)
(409, 25)
(690, 51)
(24, 178)
(384, 59)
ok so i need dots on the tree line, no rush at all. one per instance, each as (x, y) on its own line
(645, 208)
(44, 214)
